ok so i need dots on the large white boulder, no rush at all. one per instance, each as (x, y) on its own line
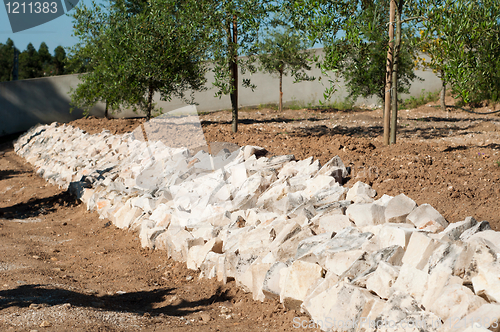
(361, 193)
(399, 208)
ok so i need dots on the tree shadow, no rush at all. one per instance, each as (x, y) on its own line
(259, 121)
(38, 206)
(136, 302)
(9, 173)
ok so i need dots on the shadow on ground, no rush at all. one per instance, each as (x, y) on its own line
(135, 302)
(38, 206)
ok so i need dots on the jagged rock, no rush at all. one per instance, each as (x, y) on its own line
(366, 214)
(485, 318)
(340, 304)
(399, 208)
(411, 280)
(395, 234)
(295, 281)
(454, 230)
(361, 193)
(335, 168)
(427, 218)
(333, 222)
(419, 250)
(479, 227)
(259, 273)
(382, 279)
(77, 188)
(250, 150)
(271, 284)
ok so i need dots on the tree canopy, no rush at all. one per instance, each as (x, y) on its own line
(131, 56)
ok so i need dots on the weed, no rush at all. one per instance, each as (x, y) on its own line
(424, 98)
(497, 163)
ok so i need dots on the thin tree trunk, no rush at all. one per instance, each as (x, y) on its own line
(281, 91)
(106, 112)
(150, 102)
(234, 74)
(397, 43)
(443, 91)
(388, 76)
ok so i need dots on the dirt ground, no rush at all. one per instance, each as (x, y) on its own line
(62, 268)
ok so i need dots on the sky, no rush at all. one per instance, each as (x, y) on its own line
(54, 33)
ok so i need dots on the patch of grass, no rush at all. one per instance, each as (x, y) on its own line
(341, 105)
(424, 98)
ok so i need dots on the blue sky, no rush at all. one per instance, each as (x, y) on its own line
(54, 33)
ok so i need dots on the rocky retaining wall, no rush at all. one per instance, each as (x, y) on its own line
(285, 229)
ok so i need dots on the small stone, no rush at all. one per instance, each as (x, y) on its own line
(45, 324)
(205, 317)
(189, 278)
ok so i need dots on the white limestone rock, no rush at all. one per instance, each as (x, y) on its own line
(259, 273)
(477, 228)
(250, 150)
(295, 281)
(419, 250)
(454, 256)
(454, 230)
(489, 237)
(335, 168)
(382, 279)
(366, 214)
(361, 193)
(395, 234)
(332, 222)
(340, 304)
(399, 208)
(485, 318)
(427, 218)
(271, 284)
(412, 281)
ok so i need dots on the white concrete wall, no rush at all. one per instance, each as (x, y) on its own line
(44, 100)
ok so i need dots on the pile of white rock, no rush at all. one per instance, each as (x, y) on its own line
(285, 229)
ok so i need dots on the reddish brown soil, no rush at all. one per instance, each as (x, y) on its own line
(63, 267)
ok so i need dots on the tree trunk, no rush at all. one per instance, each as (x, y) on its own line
(388, 76)
(443, 91)
(150, 102)
(281, 91)
(397, 43)
(234, 73)
(106, 113)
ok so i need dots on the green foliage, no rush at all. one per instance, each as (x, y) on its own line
(6, 60)
(59, 60)
(45, 60)
(424, 98)
(360, 56)
(132, 56)
(30, 65)
(284, 52)
(466, 38)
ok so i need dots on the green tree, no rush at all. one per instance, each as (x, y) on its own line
(59, 60)
(6, 60)
(236, 25)
(132, 56)
(462, 40)
(29, 63)
(45, 59)
(360, 56)
(285, 52)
